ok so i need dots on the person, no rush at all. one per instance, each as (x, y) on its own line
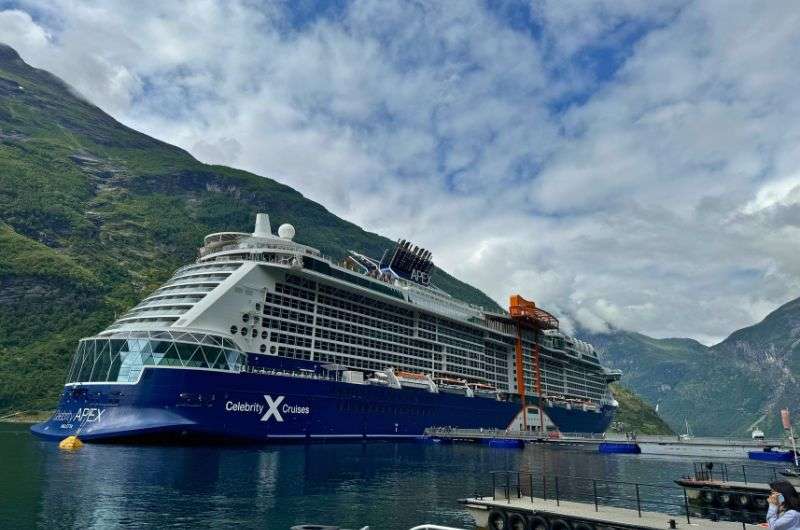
(784, 506)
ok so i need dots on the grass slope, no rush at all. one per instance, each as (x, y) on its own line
(635, 415)
(94, 215)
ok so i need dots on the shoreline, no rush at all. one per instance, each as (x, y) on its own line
(27, 417)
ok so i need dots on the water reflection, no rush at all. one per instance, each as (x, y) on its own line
(384, 485)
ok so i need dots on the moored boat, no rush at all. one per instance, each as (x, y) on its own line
(263, 338)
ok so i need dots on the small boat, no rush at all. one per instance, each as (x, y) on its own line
(757, 434)
(415, 380)
(687, 434)
(770, 455)
(619, 448)
(450, 385)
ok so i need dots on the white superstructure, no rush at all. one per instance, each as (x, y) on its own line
(272, 296)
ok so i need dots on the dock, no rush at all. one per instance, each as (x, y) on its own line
(522, 499)
(706, 447)
(579, 513)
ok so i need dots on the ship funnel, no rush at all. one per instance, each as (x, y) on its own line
(262, 226)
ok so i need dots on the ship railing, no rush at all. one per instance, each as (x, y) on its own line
(301, 374)
(601, 493)
(587, 435)
(483, 433)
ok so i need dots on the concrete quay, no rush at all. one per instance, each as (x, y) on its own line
(705, 447)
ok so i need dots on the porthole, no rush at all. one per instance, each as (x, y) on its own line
(263, 348)
(264, 335)
(272, 350)
(245, 317)
(244, 332)
(258, 307)
(234, 329)
(255, 333)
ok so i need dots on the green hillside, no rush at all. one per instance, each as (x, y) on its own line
(94, 215)
(634, 415)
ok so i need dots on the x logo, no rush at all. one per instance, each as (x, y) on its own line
(273, 409)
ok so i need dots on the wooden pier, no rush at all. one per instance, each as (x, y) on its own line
(541, 514)
(522, 500)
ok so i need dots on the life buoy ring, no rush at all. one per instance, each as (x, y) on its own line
(498, 520)
(560, 524)
(516, 521)
(538, 522)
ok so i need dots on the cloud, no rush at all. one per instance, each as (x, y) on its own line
(779, 192)
(20, 30)
(626, 164)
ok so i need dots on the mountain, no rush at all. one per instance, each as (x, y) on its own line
(725, 389)
(94, 215)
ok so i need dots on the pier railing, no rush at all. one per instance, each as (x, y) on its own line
(745, 473)
(639, 496)
(672, 439)
(534, 436)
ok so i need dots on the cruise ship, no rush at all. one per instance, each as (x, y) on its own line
(266, 339)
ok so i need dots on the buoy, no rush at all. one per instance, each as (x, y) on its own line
(70, 443)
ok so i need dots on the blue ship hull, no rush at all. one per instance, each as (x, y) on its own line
(187, 404)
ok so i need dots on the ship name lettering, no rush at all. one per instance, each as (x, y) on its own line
(296, 409)
(83, 415)
(238, 406)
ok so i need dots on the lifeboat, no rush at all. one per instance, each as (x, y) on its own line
(483, 390)
(452, 385)
(408, 379)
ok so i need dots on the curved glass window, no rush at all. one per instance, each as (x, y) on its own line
(122, 357)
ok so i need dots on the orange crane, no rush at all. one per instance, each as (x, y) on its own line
(527, 316)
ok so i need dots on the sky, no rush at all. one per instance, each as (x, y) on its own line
(626, 164)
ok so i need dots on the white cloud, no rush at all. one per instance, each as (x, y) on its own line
(19, 30)
(624, 163)
(780, 192)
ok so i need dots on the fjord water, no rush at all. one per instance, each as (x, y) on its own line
(383, 485)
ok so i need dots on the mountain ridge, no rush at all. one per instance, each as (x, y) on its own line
(728, 388)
